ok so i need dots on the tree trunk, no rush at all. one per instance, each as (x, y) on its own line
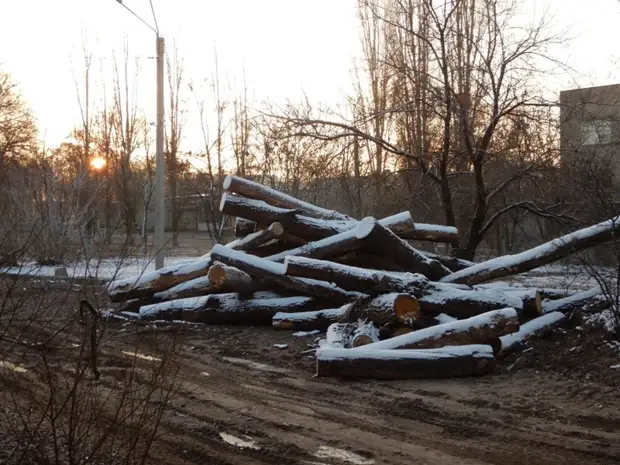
(364, 334)
(192, 288)
(538, 256)
(308, 321)
(256, 239)
(231, 278)
(257, 191)
(446, 362)
(355, 278)
(452, 263)
(536, 327)
(432, 232)
(577, 301)
(226, 309)
(262, 268)
(244, 227)
(463, 304)
(485, 328)
(381, 239)
(383, 309)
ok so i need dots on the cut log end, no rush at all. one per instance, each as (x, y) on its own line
(365, 227)
(406, 307)
(276, 229)
(227, 182)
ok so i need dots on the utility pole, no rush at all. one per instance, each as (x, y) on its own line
(160, 201)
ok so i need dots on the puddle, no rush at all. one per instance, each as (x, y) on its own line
(326, 452)
(150, 358)
(12, 367)
(255, 365)
(235, 441)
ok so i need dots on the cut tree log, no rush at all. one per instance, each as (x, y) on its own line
(150, 283)
(378, 237)
(228, 277)
(536, 327)
(294, 222)
(227, 309)
(355, 278)
(576, 301)
(254, 190)
(308, 321)
(262, 268)
(463, 304)
(432, 232)
(452, 263)
(192, 288)
(383, 309)
(258, 238)
(338, 335)
(538, 256)
(446, 362)
(481, 329)
(364, 334)
(244, 227)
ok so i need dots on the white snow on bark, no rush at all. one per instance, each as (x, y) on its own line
(252, 260)
(509, 261)
(549, 305)
(333, 353)
(436, 228)
(308, 316)
(529, 329)
(435, 332)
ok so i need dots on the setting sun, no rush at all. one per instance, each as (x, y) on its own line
(97, 163)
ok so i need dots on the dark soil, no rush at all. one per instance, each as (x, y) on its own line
(556, 403)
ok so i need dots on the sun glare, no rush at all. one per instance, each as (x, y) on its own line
(97, 163)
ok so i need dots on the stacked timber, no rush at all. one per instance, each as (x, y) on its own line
(389, 309)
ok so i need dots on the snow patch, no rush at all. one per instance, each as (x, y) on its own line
(238, 442)
(12, 367)
(280, 346)
(605, 318)
(150, 358)
(306, 333)
(327, 452)
(255, 365)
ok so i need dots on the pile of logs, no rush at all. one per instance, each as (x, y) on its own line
(390, 310)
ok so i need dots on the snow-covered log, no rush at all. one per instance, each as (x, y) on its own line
(258, 238)
(381, 239)
(383, 309)
(148, 284)
(364, 334)
(292, 220)
(353, 277)
(338, 335)
(446, 362)
(308, 321)
(576, 301)
(452, 263)
(192, 288)
(538, 256)
(254, 190)
(463, 304)
(481, 329)
(228, 309)
(262, 268)
(432, 232)
(231, 278)
(536, 327)
(244, 227)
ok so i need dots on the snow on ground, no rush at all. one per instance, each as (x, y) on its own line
(106, 269)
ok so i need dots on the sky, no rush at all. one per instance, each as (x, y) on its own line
(282, 48)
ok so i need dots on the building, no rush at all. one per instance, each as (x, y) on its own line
(590, 128)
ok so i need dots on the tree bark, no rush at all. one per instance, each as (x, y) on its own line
(308, 321)
(383, 309)
(258, 238)
(381, 239)
(253, 190)
(244, 227)
(262, 268)
(538, 256)
(446, 362)
(452, 263)
(431, 232)
(463, 304)
(226, 309)
(576, 301)
(295, 223)
(192, 288)
(485, 328)
(354, 278)
(536, 327)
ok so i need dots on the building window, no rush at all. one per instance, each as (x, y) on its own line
(596, 132)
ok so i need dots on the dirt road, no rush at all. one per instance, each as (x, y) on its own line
(244, 401)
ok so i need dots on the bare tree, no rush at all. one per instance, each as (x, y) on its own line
(459, 75)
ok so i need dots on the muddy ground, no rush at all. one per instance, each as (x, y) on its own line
(244, 401)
